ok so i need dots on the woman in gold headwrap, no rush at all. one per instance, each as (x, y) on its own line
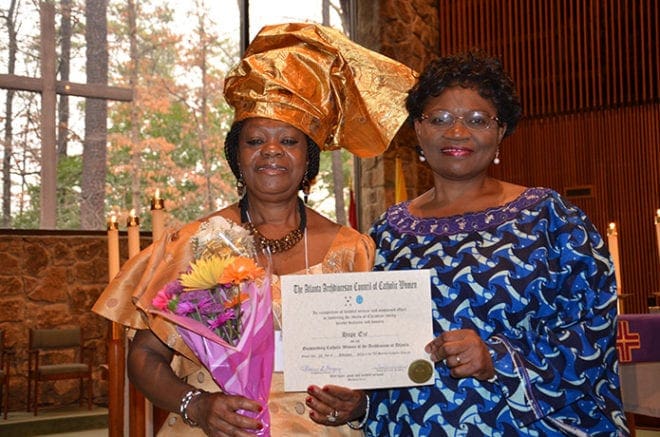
(299, 89)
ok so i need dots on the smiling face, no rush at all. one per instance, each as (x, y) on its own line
(272, 157)
(458, 152)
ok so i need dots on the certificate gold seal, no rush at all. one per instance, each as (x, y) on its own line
(420, 371)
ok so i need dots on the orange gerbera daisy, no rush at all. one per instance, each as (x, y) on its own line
(241, 269)
(236, 300)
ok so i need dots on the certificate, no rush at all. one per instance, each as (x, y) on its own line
(358, 330)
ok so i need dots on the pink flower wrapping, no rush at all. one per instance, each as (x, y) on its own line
(247, 368)
(240, 366)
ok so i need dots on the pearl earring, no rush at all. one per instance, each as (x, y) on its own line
(497, 161)
(420, 152)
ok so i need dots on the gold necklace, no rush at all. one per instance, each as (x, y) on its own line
(273, 246)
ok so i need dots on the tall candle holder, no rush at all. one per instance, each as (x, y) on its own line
(116, 349)
(136, 400)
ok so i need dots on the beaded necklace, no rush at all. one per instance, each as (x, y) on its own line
(268, 245)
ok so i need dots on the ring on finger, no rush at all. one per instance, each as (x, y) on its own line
(458, 359)
(332, 417)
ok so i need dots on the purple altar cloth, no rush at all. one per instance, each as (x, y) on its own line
(638, 338)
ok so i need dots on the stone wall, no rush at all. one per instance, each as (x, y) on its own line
(405, 30)
(51, 280)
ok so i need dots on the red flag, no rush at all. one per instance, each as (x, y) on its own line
(352, 210)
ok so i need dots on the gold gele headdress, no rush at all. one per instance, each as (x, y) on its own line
(313, 77)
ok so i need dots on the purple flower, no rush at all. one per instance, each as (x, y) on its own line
(213, 308)
(173, 288)
(185, 307)
(206, 305)
(222, 319)
(196, 295)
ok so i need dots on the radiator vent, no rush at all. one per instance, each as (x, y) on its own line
(577, 192)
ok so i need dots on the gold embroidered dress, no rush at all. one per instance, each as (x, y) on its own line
(128, 298)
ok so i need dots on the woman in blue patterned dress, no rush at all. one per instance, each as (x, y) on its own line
(524, 298)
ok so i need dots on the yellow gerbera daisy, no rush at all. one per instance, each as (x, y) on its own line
(204, 273)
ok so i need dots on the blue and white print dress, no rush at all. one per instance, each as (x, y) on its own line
(535, 280)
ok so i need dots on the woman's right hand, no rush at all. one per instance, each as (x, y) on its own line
(216, 413)
(219, 414)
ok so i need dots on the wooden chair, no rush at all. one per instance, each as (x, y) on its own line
(5, 354)
(43, 341)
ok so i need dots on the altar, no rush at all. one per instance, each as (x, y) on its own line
(638, 346)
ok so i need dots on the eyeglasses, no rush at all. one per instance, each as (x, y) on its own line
(473, 120)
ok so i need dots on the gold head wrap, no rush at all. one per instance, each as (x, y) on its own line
(313, 77)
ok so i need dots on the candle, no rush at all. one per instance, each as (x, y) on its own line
(613, 243)
(657, 230)
(113, 247)
(133, 225)
(157, 216)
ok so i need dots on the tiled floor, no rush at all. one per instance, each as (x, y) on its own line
(55, 421)
(89, 433)
(52, 412)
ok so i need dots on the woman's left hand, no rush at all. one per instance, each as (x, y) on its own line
(333, 405)
(464, 353)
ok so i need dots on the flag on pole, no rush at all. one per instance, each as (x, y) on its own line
(400, 193)
(352, 210)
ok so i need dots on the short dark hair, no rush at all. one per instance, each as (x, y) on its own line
(231, 153)
(471, 69)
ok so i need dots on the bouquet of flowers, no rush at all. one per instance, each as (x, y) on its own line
(222, 308)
